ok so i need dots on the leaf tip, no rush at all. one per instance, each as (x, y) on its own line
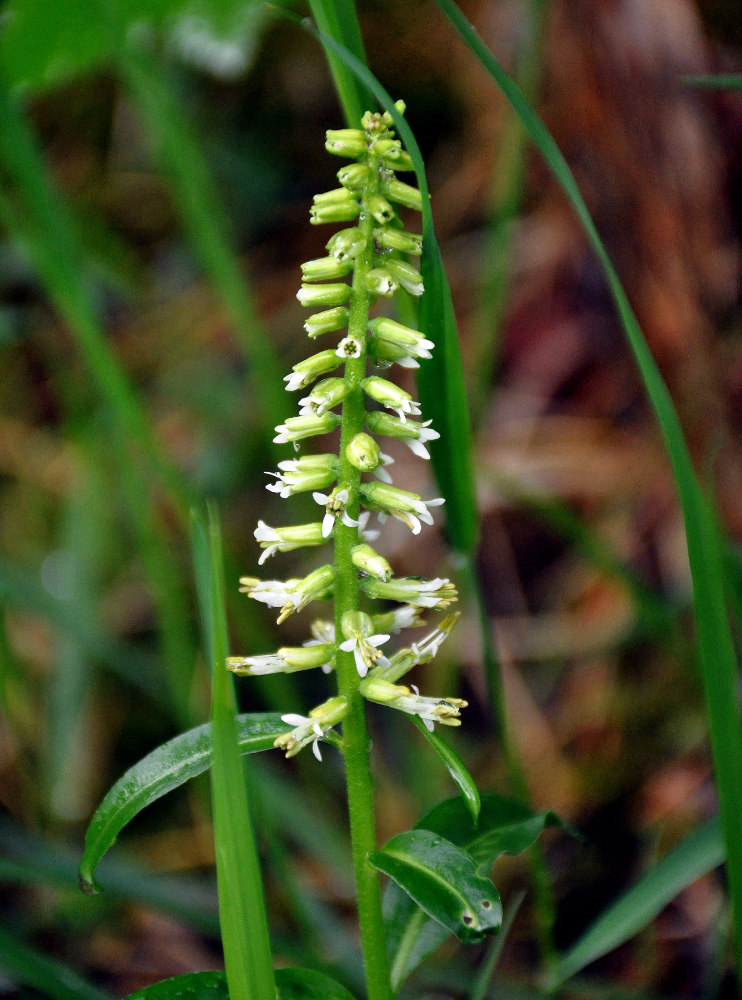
(88, 885)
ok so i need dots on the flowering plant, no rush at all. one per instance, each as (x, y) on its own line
(438, 870)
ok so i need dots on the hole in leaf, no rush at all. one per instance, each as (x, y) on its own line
(467, 918)
(486, 905)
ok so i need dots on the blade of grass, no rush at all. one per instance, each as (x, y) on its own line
(244, 924)
(37, 217)
(699, 854)
(338, 19)
(715, 645)
(29, 967)
(488, 315)
(724, 81)
(205, 221)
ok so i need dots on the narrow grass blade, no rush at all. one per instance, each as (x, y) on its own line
(699, 854)
(338, 19)
(722, 81)
(160, 772)
(456, 768)
(20, 588)
(440, 380)
(29, 967)
(38, 218)
(292, 984)
(488, 316)
(205, 221)
(715, 645)
(247, 950)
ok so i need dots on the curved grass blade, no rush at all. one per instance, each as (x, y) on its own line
(457, 769)
(292, 984)
(700, 853)
(244, 923)
(338, 19)
(440, 380)
(205, 220)
(40, 220)
(444, 881)
(160, 772)
(29, 967)
(715, 644)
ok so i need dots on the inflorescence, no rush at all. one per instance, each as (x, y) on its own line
(371, 253)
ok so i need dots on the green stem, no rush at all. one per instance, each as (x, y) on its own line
(355, 734)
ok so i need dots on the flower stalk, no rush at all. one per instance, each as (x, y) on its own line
(369, 252)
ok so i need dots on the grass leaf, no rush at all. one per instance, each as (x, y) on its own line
(244, 924)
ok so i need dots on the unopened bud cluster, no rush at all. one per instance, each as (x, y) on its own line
(366, 260)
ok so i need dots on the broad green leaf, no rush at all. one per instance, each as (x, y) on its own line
(700, 853)
(29, 967)
(444, 881)
(504, 827)
(715, 644)
(456, 767)
(161, 771)
(242, 913)
(44, 44)
(291, 984)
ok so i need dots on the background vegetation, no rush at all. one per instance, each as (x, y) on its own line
(154, 190)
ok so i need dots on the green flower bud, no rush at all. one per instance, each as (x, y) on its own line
(338, 196)
(334, 294)
(350, 142)
(370, 562)
(340, 211)
(326, 322)
(325, 269)
(298, 428)
(391, 396)
(402, 194)
(347, 244)
(380, 282)
(363, 452)
(398, 239)
(354, 175)
(405, 275)
(438, 593)
(294, 536)
(305, 372)
(380, 208)
(325, 396)
(356, 625)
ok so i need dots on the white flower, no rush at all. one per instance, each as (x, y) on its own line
(417, 444)
(409, 700)
(365, 651)
(349, 347)
(273, 593)
(335, 506)
(294, 381)
(306, 731)
(269, 539)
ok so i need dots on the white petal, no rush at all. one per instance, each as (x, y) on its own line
(417, 447)
(378, 640)
(328, 523)
(348, 520)
(381, 474)
(294, 720)
(348, 645)
(320, 498)
(429, 725)
(360, 665)
(316, 751)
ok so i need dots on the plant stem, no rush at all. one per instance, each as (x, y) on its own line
(355, 735)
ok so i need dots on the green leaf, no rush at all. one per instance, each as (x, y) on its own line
(29, 967)
(700, 853)
(292, 984)
(504, 827)
(444, 881)
(716, 650)
(161, 771)
(456, 767)
(242, 913)
(44, 44)
(338, 19)
(721, 81)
